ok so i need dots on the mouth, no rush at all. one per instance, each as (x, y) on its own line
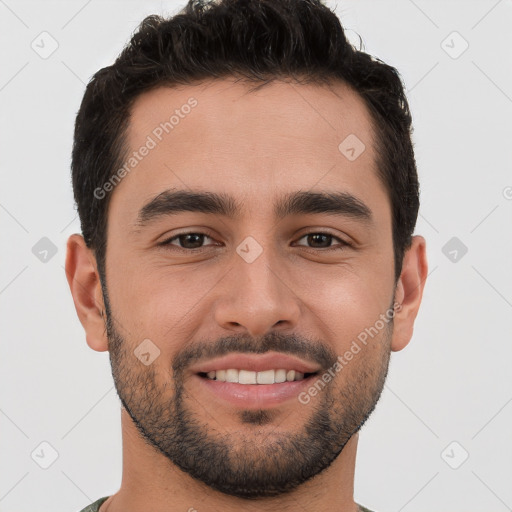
(267, 368)
(249, 377)
(255, 381)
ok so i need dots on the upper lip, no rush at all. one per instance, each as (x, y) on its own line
(256, 363)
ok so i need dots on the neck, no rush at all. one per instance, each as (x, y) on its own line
(151, 482)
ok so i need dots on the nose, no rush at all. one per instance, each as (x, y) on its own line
(257, 297)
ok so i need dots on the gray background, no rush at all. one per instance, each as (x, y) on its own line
(451, 384)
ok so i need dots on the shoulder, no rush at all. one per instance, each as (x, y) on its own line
(94, 507)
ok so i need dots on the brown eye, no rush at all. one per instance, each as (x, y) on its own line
(322, 241)
(188, 240)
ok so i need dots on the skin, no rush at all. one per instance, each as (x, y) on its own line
(255, 146)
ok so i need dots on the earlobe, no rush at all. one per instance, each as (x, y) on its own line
(85, 286)
(409, 291)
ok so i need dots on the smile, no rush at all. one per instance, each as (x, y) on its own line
(251, 377)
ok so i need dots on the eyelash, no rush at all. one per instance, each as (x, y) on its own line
(343, 243)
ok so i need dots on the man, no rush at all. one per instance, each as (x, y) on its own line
(248, 192)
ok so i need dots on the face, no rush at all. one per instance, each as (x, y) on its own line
(244, 238)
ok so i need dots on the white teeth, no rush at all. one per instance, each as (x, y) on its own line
(265, 377)
(246, 377)
(250, 377)
(280, 376)
(231, 375)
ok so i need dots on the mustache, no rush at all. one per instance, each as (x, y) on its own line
(291, 344)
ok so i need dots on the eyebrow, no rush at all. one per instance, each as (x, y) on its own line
(173, 202)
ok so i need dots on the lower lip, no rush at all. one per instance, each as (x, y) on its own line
(255, 396)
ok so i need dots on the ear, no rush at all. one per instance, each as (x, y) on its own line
(85, 286)
(409, 290)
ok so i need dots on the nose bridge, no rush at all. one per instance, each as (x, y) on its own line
(257, 297)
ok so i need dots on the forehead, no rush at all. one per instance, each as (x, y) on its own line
(221, 135)
(227, 110)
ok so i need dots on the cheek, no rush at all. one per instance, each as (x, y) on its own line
(353, 319)
(346, 301)
(161, 302)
